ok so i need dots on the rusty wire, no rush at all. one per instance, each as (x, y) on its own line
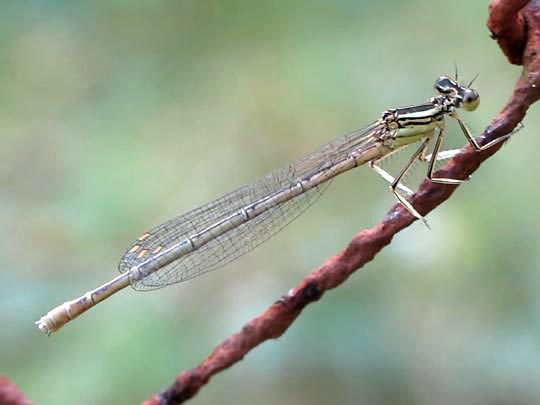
(10, 394)
(515, 24)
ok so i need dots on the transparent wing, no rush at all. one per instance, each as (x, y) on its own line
(250, 234)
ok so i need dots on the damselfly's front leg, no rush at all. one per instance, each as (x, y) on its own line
(466, 131)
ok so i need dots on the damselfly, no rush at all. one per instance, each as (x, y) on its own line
(208, 237)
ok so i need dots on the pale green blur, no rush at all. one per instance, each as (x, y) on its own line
(116, 116)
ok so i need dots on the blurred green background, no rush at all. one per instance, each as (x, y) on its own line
(116, 116)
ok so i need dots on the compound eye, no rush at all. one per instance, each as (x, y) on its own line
(445, 85)
(470, 99)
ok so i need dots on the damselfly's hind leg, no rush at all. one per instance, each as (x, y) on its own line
(389, 178)
(394, 186)
(395, 183)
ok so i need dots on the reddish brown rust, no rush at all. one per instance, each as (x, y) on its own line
(508, 27)
(365, 245)
(10, 394)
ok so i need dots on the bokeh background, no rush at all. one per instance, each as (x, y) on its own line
(116, 116)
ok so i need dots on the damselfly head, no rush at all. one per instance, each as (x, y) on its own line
(470, 99)
(445, 85)
(466, 97)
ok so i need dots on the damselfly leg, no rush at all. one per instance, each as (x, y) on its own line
(436, 152)
(437, 155)
(470, 138)
(389, 178)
